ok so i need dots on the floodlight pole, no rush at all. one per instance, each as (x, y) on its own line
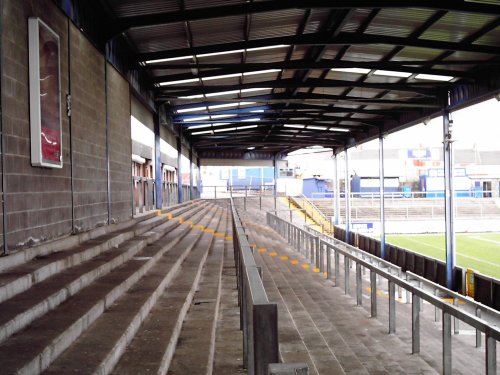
(449, 201)
(336, 192)
(381, 192)
(347, 198)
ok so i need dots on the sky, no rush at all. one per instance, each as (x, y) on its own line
(477, 125)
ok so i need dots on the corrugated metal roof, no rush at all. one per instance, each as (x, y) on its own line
(152, 39)
(454, 27)
(215, 31)
(127, 8)
(349, 42)
(491, 39)
(275, 24)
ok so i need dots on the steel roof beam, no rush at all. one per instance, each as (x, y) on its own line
(322, 64)
(241, 68)
(323, 39)
(425, 88)
(327, 99)
(161, 18)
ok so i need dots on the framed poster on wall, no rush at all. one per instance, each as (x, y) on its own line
(45, 95)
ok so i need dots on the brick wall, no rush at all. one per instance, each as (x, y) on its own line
(120, 145)
(38, 199)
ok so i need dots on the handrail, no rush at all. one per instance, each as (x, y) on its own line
(324, 250)
(302, 196)
(259, 317)
(313, 211)
(355, 250)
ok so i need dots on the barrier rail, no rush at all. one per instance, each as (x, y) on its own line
(170, 193)
(259, 317)
(409, 194)
(318, 249)
(143, 196)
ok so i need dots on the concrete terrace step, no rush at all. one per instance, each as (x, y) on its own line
(21, 277)
(152, 348)
(228, 346)
(194, 353)
(303, 338)
(32, 350)
(98, 349)
(360, 344)
(21, 310)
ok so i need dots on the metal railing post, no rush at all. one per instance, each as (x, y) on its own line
(318, 251)
(321, 257)
(392, 307)
(478, 332)
(311, 253)
(491, 356)
(437, 313)
(337, 268)
(415, 324)
(346, 275)
(328, 263)
(456, 324)
(373, 293)
(359, 285)
(447, 358)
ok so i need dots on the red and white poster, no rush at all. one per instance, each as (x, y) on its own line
(45, 95)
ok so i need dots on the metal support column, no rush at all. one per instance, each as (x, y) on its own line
(336, 203)
(180, 194)
(382, 198)
(347, 198)
(198, 164)
(449, 202)
(191, 187)
(158, 167)
(276, 174)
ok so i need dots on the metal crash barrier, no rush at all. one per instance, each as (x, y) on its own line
(258, 317)
(322, 249)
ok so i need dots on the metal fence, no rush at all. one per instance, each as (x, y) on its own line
(321, 252)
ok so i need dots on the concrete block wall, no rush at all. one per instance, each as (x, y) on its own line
(41, 203)
(120, 145)
(88, 131)
(38, 199)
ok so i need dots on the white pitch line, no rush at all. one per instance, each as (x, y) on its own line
(486, 240)
(462, 255)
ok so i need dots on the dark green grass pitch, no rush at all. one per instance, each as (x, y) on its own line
(479, 251)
